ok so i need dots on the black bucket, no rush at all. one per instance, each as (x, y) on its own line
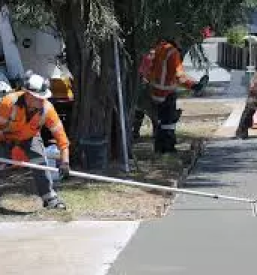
(94, 155)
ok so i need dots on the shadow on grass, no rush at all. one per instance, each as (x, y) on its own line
(9, 212)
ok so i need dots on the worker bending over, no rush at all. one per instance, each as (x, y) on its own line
(22, 115)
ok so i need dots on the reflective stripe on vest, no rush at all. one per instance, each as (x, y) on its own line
(168, 126)
(158, 99)
(162, 85)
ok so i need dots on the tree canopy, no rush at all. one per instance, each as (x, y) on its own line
(145, 20)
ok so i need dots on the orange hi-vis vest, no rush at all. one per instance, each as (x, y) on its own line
(15, 127)
(168, 72)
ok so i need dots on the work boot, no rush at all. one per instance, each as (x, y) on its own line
(158, 147)
(159, 141)
(137, 123)
(170, 142)
(54, 203)
(165, 141)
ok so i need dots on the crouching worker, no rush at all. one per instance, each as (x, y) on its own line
(22, 115)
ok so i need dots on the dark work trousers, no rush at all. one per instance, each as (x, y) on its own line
(246, 120)
(145, 106)
(137, 123)
(34, 150)
(168, 116)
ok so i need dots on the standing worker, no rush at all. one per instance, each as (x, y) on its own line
(22, 115)
(166, 75)
(246, 120)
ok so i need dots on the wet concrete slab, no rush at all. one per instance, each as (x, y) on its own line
(86, 248)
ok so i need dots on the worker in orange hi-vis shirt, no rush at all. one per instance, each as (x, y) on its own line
(22, 115)
(166, 75)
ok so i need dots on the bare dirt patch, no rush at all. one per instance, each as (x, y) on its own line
(101, 201)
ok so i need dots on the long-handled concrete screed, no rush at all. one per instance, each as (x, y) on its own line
(252, 202)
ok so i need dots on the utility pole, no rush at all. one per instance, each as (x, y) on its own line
(121, 105)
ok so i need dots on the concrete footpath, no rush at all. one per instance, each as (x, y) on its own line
(203, 236)
(54, 248)
(200, 235)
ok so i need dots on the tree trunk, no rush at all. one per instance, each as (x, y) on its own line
(94, 80)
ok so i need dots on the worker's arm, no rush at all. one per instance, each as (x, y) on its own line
(64, 167)
(65, 155)
(182, 78)
(54, 124)
(5, 112)
(185, 80)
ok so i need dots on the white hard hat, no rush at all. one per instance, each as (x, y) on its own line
(37, 86)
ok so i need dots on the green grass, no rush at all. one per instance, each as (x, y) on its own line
(79, 199)
(95, 201)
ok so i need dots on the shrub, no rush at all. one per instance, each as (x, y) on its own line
(235, 35)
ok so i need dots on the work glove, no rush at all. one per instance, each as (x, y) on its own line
(64, 170)
(198, 87)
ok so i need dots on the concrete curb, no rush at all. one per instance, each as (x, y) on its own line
(229, 127)
(197, 148)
